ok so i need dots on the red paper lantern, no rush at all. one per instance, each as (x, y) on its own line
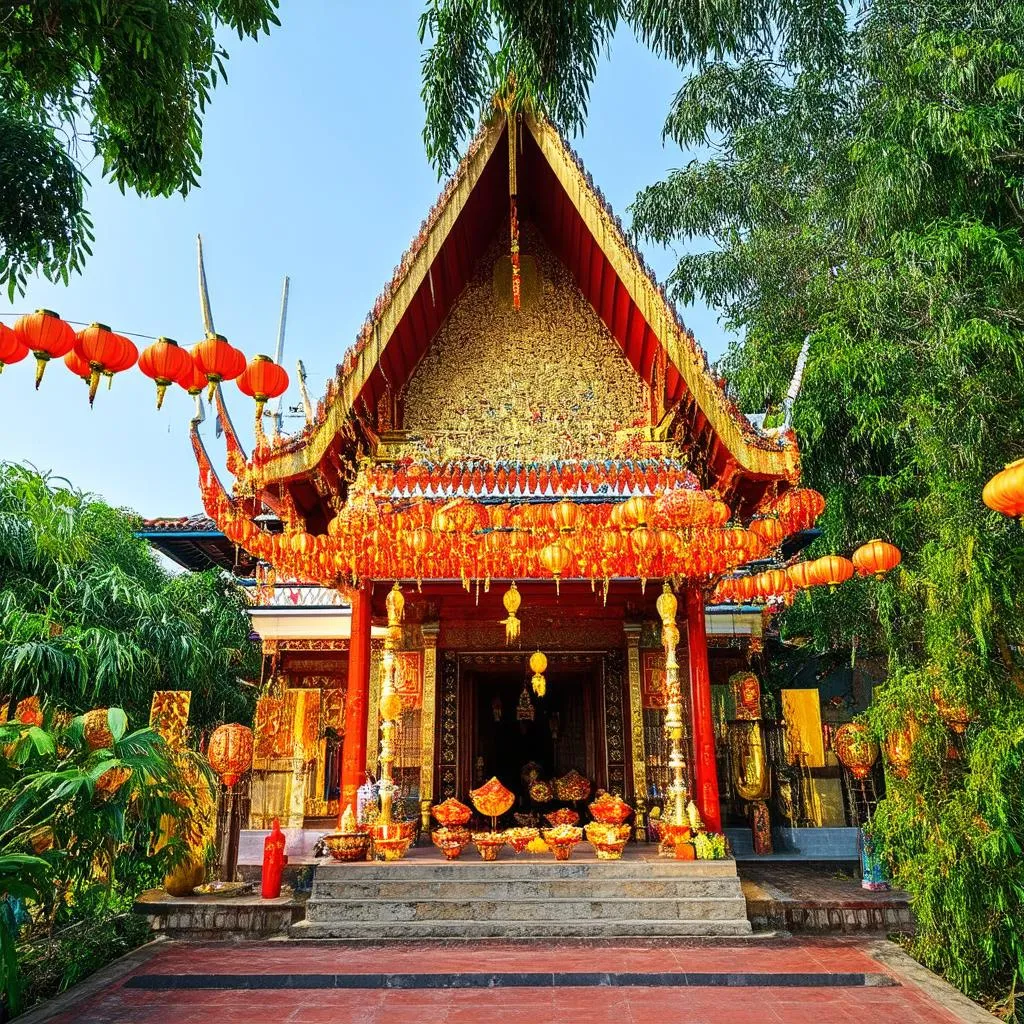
(262, 380)
(566, 515)
(46, 336)
(12, 348)
(876, 558)
(832, 570)
(193, 380)
(230, 752)
(800, 574)
(1005, 491)
(218, 360)
(769, 531)
(104, 351)
(166, 362)
(78, 366)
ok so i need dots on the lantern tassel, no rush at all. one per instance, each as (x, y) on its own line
(94, 384)
(512, 628)
(41, 361)
(161, 390)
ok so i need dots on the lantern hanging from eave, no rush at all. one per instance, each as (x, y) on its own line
(230, 752)
(12, 348)
(47, 337)
(262, 380)
(855, 749)
(166, 362)
(769, 530)
(831, 570)
(77, 365)
(1005, 491)
(876, 558)
(566, 516)
(538, 665)
(511, 599)
(104, 351)
(218, 360)
(555, 558)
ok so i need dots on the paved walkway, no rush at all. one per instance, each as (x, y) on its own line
(799, 981)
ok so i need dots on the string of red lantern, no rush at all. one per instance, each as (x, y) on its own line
(97, 351)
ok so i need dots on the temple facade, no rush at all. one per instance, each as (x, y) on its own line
(528, 446)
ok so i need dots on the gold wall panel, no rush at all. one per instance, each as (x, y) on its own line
(542, 383)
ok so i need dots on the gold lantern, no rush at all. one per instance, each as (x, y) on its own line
(855, 749)
(230, 752)
(511, 599)
(538, 665)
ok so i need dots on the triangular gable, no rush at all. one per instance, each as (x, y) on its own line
(585, 235)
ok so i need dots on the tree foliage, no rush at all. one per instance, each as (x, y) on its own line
(66, 836)
(550, 49)
(126, 82)
(89, 618)
(865, 189)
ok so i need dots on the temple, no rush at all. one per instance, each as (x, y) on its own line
(528, 447)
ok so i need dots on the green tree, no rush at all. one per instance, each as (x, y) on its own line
(549, 50)
(89, 618)
(864, 190)
(127, 82)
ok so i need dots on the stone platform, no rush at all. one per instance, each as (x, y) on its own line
(423, 897)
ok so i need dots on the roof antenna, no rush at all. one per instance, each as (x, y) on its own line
(204, 294)
(795, 383)
(279, 352)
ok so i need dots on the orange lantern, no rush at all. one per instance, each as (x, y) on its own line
(832, 570)
(218, 360)
(230, 752)
(637, 510)
(77, 365)
(302, 543)
(800, 574)
(774, 583)
(1005, 491)
(566, 515)
(876, 558)
(46, 336)
(262, 380)
(124, 359)
(12, 348)
(193, 380)
(555, 558)
(166, 362)
(855, 749)
(769, 531)
(104, 351)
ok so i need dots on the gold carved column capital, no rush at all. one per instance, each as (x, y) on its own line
(636, 710)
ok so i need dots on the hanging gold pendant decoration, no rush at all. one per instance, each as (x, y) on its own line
(511, 599)
(513, 190)
(538, 663)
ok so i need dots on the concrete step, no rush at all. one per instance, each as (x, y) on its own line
(505, 869)
(518, 929)
(383, 911)
(400, 888)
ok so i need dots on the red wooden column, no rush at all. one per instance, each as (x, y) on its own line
(353, 748)
(705, 770)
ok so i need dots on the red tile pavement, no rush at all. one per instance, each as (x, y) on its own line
(904, 1002)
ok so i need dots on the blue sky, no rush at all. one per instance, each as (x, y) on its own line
(313, 166)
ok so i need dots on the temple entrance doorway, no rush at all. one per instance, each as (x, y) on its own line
(517, 735)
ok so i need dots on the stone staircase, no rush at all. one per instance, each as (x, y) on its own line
(422, 897)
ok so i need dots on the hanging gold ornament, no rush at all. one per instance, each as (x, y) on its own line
(511, 599)
(538, 663)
